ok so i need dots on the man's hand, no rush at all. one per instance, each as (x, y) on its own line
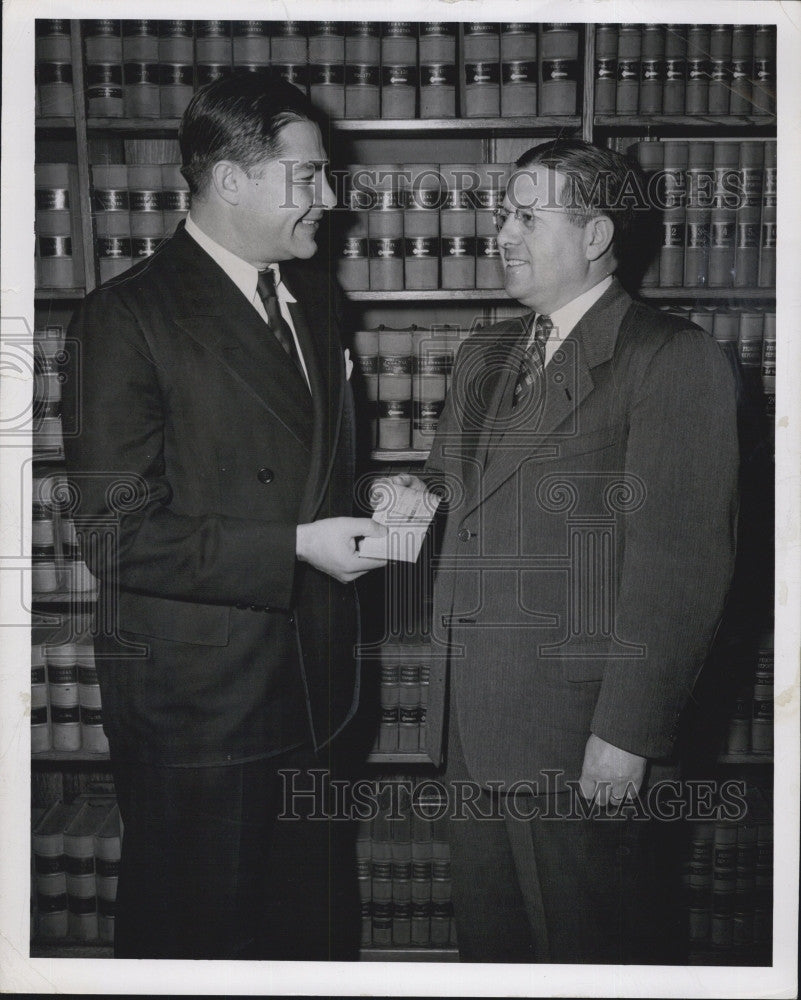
(330, 546)
(381, 488)
(610, 772)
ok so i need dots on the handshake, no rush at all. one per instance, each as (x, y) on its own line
(347, 547)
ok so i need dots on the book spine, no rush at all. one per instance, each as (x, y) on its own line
(41, 735)
(559, 69)
(458, 226)
(767, 244)
(365, 382)
(674, 218)
(699, 190)
(652, 69)
(482, 82)
(674, 91)
(421, 199)
(174, 198)
(354, 269)
(722, 221)
(394, 388)
(742, 65)
(606, 42)
(629, 53)
(698, 70)
(746, 257)
(385, 229)
(720, 69)
(764, 74)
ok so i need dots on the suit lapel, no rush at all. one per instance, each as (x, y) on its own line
(568, 382)
(213, 311)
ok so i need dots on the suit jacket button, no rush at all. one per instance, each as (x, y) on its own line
(265, 475)
(465, 534)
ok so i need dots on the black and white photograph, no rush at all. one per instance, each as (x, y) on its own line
(401, 506)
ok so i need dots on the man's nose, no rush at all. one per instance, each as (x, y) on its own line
(507, 234)
(327, 197)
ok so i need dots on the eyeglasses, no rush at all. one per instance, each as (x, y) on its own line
(524, 216)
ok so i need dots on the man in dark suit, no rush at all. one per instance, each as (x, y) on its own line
(591, 452)
(214, 471)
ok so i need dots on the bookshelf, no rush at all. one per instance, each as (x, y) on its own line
(87, 139)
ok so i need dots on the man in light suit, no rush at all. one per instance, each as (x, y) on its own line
(215, 451)
(590, 453)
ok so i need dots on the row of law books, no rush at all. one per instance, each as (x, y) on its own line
(403, 870)
(674, 69)
(716, 202)
(402, 378)
(728, 878)
(752, 332)
(66, 709)
(75, 860)
(420, 225)
(404, 670)
(750, 727)
(355, 69)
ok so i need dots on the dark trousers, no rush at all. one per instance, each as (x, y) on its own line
(597, 890)
(210, 869)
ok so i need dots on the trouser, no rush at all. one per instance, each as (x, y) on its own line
(211, 869)
(596, 890)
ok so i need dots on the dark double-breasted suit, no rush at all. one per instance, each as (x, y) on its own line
(588, 546)
(221, 657)
(191, 407)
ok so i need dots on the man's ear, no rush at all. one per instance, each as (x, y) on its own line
(598, 235)
(226, 179)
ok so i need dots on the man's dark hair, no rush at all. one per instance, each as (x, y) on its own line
(598, 181)
(237, 118)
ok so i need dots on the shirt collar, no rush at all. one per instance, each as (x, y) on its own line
(565, 318)
(243, 274)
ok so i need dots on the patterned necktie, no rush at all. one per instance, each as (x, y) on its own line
(265, 286)
(534, 359)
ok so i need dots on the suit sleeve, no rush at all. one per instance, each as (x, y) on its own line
(118, 465)
(678, 557)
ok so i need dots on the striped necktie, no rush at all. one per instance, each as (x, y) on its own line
(265, 286)
(533, 366)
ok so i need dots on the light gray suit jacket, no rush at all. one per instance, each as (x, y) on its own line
(589, 539)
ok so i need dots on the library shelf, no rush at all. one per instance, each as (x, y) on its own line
(753, 757)
(70, 948)
(540, 125)
(69, 757)
(56, 294)
(402, 953)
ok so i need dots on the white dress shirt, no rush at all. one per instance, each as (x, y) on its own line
(245, 276)
(565, 318)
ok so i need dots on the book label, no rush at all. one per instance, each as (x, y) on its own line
(53, 72)
(361, 75)
(112, 247)
(145, 201)
(398, 76)
(367, 363)
(386, 248)
(104, 74)
(175, 201)
(628, 69)
(458, 246)
(420, 247)
(480, 73)
(438, 75)
(675, 69)
(175, 74)
(698, 235)
(559, 70)
(519, 71)
(52, 199)
(651, 70)
(138, 73)
(396, 409)
(355, 248)
(487, 247)
(55, 246)
(747, 235)
(606, 69)
(395, 364)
